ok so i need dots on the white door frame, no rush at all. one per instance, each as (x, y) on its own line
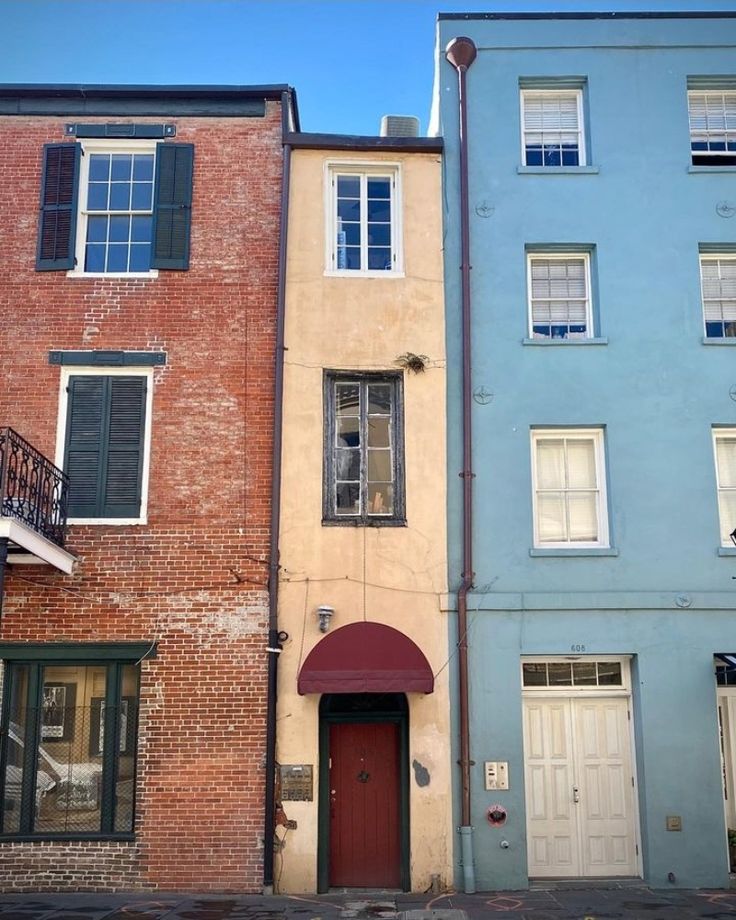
(568, 692)
(726, 699)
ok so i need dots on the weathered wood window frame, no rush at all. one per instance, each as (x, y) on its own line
(373, 505)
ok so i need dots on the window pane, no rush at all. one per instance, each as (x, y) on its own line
(379, 210)
(351, 259)
(348, 209)
(67, 752)
(727, 514)
(347, 498)
(125, 787)
(117, 258)
(726, 455)
(583, 513)
(551, 524)
(142, 196)
(379, 398)
(140, 257)
(99, 167)
(97, 229)
(379, 234)
(550, 463)
(15, 749)
(584, 673)
(534, 675)
(379, 188)
(379, 466)
(95, 259)
(347, 464)
(122, 164)
(380, 498)
(347, 397)
(140, 230)
(609, 673)
(348, 431)
(120, 196)
(581, 463)
(379, 431)
(379, 259)
(97, 196)
(119, 229)
(143, 167)
(560, 674)
(348, 186)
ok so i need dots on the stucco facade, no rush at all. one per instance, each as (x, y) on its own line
(393, 575)
(655, 593)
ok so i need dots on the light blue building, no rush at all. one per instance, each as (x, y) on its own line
(601, 215)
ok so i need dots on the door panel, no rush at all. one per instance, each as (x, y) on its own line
(579, 795)
(365, 843)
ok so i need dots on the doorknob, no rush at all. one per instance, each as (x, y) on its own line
(575, 794)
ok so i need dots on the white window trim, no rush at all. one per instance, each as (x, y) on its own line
(540, 434)
(598, 691)
(561, 256)
(363, 167)
(582, 152)
(89, 147)
(714, 91)
(711, 257)
(66, 373)
(717, 434)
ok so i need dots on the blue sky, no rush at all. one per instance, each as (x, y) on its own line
(351, 61)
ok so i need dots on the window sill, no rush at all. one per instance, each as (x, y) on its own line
(727, 550)
(548, 342)
(711, 169)
(561, 551)
(358, 522)
(557, 170)
(718, 340)
(359, 274)
(115, 276)
(111, 522)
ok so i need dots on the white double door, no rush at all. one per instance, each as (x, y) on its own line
(581, 815)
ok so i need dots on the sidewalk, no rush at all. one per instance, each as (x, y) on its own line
(628, 903)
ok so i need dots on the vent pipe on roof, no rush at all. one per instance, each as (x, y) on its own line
(399, 126)
(461, 53)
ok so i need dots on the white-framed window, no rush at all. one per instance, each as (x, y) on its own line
(115, 214)
(718, 289)
(724, 445)
(712, 115)
(552, 127)
(363, 219)
(559, 295)
(580, 673)
(569, 488)
(103, 442)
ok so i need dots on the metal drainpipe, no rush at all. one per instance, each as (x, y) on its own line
(274, 643)
(3, 564)
(461, 53)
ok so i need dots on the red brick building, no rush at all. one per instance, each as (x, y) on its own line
(139, 306)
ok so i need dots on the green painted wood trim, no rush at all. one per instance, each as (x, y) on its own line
(77, 651)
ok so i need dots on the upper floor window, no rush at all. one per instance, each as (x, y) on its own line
(104, 443)
(559, 295)
(364, 224)
(552, 127)
(569, 491)
(116, 211)
(724, 440)
(363, 449)
(712, 127)
(114, 207)
(718, 286)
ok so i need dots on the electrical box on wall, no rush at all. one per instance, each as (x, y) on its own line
(497, 774)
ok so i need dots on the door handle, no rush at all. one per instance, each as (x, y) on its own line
(575, 794)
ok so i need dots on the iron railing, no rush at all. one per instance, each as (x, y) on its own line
(32, 489)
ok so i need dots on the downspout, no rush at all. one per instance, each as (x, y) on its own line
(460, 53)
(273, 648)
(3, 563)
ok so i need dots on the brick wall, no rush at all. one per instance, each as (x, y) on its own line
(194, 578)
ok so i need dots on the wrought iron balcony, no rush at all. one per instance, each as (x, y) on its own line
(33, 502)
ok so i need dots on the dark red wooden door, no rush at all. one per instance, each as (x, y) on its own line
(365, 836)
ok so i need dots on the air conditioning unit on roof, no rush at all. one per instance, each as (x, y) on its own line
(399, 126)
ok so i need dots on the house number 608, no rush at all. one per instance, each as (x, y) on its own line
(577, 648)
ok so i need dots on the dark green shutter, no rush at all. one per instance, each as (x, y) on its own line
(57, 222)
(172, 206)
(104, 446)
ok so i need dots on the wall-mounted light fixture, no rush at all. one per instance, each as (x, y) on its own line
(324, 613)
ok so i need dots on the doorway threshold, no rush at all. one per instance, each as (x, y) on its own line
(601, 882)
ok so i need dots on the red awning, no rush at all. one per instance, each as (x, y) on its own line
(366, 658)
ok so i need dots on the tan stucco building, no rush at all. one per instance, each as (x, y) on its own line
(363, 677)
